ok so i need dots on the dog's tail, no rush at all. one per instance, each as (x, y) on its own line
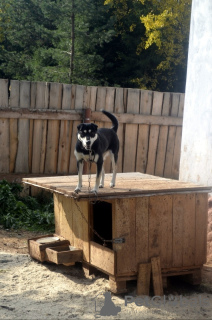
(113, 119)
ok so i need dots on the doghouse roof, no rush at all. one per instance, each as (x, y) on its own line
(133, 184)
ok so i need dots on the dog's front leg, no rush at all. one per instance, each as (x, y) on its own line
(102, 177)
(99, 165)
(80, 170)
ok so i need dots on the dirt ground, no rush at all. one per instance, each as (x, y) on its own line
(31, 290)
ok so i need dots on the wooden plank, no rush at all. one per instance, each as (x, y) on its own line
(177, 144)
(4, 101)
(143, 131)
(184, 230)
(143, 279)
(119, 108)
(131, 132)
(52, 114)
(63, 217)
(79, 97)
(71, 222)
(102, 258)
(178, 219)
(22, 158)
(64, 147)
(163, 136)
(157, 276)
(171, 137)
(67, 97)
(80, 227)
(189, 231)
(109, 106)
(101, 98)
(142, 229)
(93, 96)
(14, 103)
(73, 162)
(40, 129)
(201, 220)
(53, 129)
(160, 229)
(154, 133)
(4, 143)
(65, 135)
(124, 226)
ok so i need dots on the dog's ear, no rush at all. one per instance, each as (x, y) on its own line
(79, 127)
(94, 127)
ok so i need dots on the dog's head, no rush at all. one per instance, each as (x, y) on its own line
(87, 134)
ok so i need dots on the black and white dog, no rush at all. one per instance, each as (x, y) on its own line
(94, 145)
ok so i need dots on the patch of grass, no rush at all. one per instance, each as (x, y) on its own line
(29, 213)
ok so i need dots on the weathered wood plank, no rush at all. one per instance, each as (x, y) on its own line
(189, 231)
(177, 143)
(40, 129)
(102, 258)
(53, 127)
(163, 136)
(4, 143)
(154, 133)
(143, 131)
(64, 147)
(14, 103)
(201, 219)
(142, 229)
(119, 108)
(38, 114)
(160, 229)
(131, 132)
(4, 101)
(171, 137)
(124, 226)
(22, 158)
(157, 276)
(101, 99)
(143, 279)
(80, 227)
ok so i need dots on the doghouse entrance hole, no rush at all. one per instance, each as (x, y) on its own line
(102, 222)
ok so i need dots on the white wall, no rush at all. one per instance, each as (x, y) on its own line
(196, 148)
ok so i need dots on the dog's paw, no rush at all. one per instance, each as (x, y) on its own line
(77, 190)
(101, 186)
(94, 191)
(112, 185)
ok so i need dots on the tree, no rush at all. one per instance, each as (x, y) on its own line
(167, 33)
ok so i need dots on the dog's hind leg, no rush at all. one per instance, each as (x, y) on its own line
(113, 160)
(80, 170)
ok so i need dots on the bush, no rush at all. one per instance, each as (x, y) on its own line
(28, 213)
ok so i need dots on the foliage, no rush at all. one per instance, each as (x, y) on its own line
(167, 31)
(127, 43)
(27, 212)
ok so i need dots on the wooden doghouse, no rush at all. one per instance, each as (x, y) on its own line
(142, 217)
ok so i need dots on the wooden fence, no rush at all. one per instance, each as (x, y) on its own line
(38, 126)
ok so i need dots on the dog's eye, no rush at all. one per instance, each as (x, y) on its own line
(92, 134)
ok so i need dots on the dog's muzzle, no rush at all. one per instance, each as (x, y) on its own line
(88, 144)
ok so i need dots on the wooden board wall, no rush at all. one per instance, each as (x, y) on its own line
(39, 126)
(172, 227)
